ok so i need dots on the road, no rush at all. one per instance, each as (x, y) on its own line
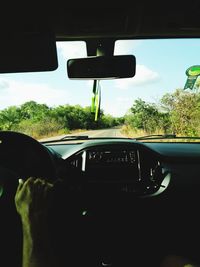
(114, 132)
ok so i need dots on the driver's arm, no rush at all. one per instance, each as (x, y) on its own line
(32, 199)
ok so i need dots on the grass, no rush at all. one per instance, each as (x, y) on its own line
(132, 132)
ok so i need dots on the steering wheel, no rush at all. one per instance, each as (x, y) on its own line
(21, 156)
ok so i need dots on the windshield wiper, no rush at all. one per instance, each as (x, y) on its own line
(66, 137)
(156, 136)
(80, 137)
(165, 136)
(76, 137)
(145, 137)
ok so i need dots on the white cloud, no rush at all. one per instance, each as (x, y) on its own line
(143, 76)
(123, 47)
(118, 107)
(72, 49)
(3, 84)
(17, 93)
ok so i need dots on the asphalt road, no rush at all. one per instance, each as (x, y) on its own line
(114, 132)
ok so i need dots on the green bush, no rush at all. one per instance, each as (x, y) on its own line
(44, 128)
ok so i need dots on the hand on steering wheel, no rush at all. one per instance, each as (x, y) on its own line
(32, 200)
(21, 156)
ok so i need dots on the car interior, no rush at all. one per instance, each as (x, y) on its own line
(120, 202)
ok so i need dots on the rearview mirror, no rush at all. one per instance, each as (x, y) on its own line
(102, 67)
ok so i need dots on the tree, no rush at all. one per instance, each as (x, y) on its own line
(144, 116)
(184, 110)
(9, 118)
(34, 111)
(39, 120)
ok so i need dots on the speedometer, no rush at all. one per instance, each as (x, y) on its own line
(114, 163)
(111, 156)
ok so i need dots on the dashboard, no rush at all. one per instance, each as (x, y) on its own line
(142, 199)
(112, 163)
(116, 165)
(144, 169)
(118, 191)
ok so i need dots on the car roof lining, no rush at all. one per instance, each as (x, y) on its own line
(146, 19)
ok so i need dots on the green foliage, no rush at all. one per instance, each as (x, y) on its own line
(184, 110)
(9, 118)
(145, 116)
(34, 111)
(177, 113)
(38, 120)
(45, 127)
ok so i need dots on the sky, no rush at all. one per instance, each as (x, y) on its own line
(160, 69)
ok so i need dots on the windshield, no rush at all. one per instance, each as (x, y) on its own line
(154, 102)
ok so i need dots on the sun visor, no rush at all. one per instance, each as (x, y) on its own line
(27, 52)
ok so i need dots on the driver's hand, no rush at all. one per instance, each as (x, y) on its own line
(32, 200)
